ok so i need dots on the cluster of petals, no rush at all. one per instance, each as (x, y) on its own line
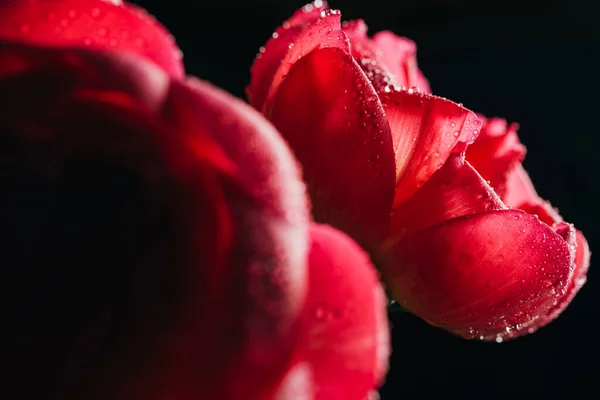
(436, 192)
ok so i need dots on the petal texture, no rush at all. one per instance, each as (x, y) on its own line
(330, 115)
(93, 24)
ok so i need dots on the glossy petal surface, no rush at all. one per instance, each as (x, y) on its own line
(425, 131)
(348, 343)
(399, 54)
(93, 24)
(496, 152)
(321, 29)
(492, 274)
(455, 190)
(330, 115)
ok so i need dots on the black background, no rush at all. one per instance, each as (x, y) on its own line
(530, 62)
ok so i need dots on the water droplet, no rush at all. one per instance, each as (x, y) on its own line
(87, 41)
(261, 49)
(25, 28)
(319, 312)
(452, 124)
(102, 32)
(95, 12)
(113, 42)
(499, 339)
(72, 14)
(275, 35)
(456, 133)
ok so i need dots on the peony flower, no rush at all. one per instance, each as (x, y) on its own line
(165, 229)
(406, 173)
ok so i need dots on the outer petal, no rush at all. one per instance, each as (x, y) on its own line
(491, 275)
(267, 279)
(578, 279)
(307, 31)
(496, 152)
(94, 24)
(425, 131)
(110, 122)
(348, 344)
(455, 190)
(330, 115)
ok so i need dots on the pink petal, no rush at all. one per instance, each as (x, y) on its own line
(455, 190)
(496, 152)
(519, 188)
(488, 275)
(425, 131)
(316, 29)
(99, 25)
(348, 342)
(399, 54)
(388, 60)
(331, 117)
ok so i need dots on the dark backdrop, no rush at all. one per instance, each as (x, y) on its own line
(530, 62)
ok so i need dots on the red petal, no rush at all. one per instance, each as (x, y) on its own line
(453, 191)
(399, 55)
(330, 115)
(306, 15)
(94, 24)
(267, 271)
(496, 152)
(578, 279)
(66, 107)
(388, 60)
(425, 130)
(42, 76)
(348, 341)
(287, 46)
(490, 274)
(543, 210)
(519, 188)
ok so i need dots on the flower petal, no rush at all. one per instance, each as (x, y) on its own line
(388, 60)
(496, 152)
(425, 131)
(399, 54)
(455, 190)
(348, 342)
(491, 275)
(99, 25)
(578, 279)
(519, 188)
(289, 44)
(332, 118)
(86, 129)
